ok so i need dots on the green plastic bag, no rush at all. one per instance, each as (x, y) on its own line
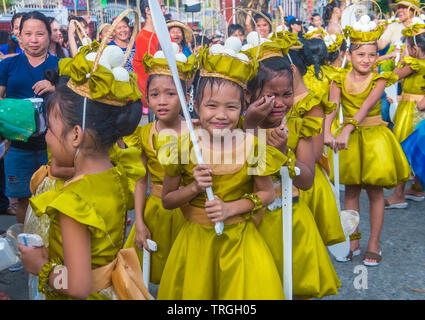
(17, 119)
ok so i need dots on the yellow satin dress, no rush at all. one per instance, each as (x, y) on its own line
(407, 115)
(98, 201)
(320, 197)
(313, 273)
(330, 71)
(374, 157)
(163, 224)
(237, 264)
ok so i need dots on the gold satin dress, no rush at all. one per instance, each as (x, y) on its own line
(237, 264)
(313, 273)
(320, 197)
(98, 201)
(374, 157)
(163, 224)
(407, 115)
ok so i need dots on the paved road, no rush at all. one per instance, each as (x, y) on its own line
(401, 274)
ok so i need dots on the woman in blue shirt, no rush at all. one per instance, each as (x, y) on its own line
(181, 34)
(121, 36)
(12, 46)
(22, 77)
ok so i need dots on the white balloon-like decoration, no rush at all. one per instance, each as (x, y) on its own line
(329, 39)
(179, 55)
(365, 24)
(121, 74)
(417, 20)
(114, 55)
(312, 29)
(232, 47)
(86, 41)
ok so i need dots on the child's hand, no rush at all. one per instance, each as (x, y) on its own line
(329, 139)
(142, 234)
(33, 259)
(258, 111)
(203, 179)
(341, 141)
(278, 139)
(217, 210)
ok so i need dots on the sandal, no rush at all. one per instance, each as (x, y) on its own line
(400, 205)
(352, 253)
(372, 256)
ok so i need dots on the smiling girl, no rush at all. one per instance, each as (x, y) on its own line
(236, 264)
(370, 156)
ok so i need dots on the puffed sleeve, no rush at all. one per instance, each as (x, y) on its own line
(337, 76)
(130, 160)
(415, 64)
(307, 103)
(135, 139)
(171, 154)
(301, 128)
(72, 205)
(264, 160)
(389, 76)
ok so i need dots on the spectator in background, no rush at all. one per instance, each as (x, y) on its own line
(296, 26)
(146, 41)
(262, 25)
(73, 40)
(199, 42)
(22, 77)
(102, 31)
(236, 30)
(316, 20)
(181, 34)
(216, 39)
(122, 34)
(55, 47)
(332, 14)
(12, 46)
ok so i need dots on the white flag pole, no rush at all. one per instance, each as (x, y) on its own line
(161, 31)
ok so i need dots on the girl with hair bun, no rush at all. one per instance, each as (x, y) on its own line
(87, 211)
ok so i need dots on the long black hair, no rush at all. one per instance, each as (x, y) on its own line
(267, 70)
(328, 10)
(13, 44)
(60, 53)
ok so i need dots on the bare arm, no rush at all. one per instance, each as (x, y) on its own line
(73, 48)
(334, 96)
(404, 72)
(305, 162)
(318, 140)
(2, 92)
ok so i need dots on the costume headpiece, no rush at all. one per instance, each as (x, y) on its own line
(364, 31)
(314, 31)
(416, 27)
(411, 4)
(97, 73)
(333, 41)
(228, 62)
(157, 64)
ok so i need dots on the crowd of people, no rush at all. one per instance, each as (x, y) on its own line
(264, 98)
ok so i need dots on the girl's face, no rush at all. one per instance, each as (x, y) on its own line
(104, 32)
(282, 89)
(364, 58)
(60, 145)
(177, 35)
(15, 28)
(35, 37)
(122, 32)
(56, 32)
(163, 98)
(263, 28)
(220, 108)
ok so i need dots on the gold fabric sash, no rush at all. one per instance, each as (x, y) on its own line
(370, 121)
(124, 274)
(199, 216)
(412, 97)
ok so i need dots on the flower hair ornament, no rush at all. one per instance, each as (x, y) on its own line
(314, 32)
(333, 41)
(417, 26)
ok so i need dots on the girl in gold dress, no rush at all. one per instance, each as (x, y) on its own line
(236, 264)
(88, 211)
(408, 115)
(152, 220)
(313, 273)
(370, 157)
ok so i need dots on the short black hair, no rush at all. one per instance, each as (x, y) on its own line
(315, 15)
(233, 28)
(37, 16)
